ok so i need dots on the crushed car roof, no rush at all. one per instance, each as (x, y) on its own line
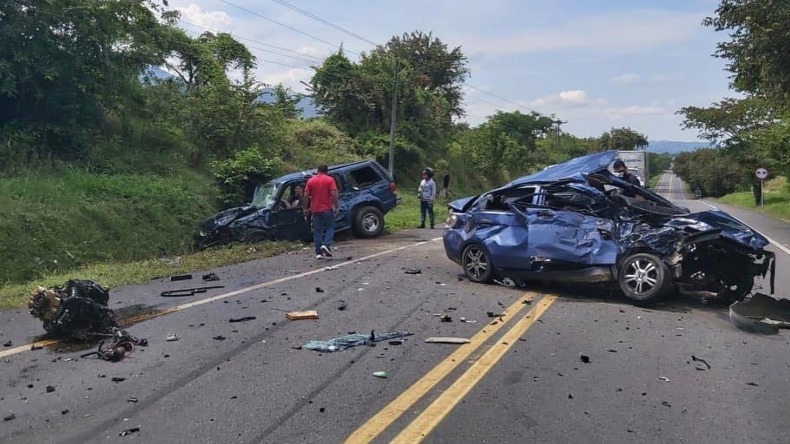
(577, 169)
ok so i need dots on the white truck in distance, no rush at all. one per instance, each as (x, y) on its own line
(636, 162)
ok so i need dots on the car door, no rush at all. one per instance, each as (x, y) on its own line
(560, 229)
(501, 230)
(288, 223)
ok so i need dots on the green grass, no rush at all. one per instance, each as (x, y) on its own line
(776, 199)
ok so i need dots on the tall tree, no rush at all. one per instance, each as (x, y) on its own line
(759, 32)
(623, 139)
(63, 63)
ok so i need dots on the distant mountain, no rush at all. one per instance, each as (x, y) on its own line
(674, 147)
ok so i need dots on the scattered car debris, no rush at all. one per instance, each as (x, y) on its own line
(50, 388)
(666, 404)
(761, 314)
(413, 271)
(753, 384)
(188, 291)
(319, 290)
(380, 374)
(700, 366)
(446, 340)
(8, 343)
(180, 277)
(10, 417)
(219, 338)
(172, 337)
(446, 318)
(342, 306)
(118, 379)
(585, 359)
(506, 282)
(130, 431)
(352, 340)
(121, 345)
(132, 399)
(664, 378)
(492, 314)
(75, 310)
(210, 277)
(299, 315)
(463, 319)
(244, 319)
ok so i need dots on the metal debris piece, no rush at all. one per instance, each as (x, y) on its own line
(446, 318)
(8, 343)
(188, 291)
(180, 277)
(506, 282)
(446, 340)
(130, 431)
(413, 271)
(663, 378)
(244, 319)
(210, 277)
(172, 337)
(218, 338)
(10, 417)
(761, 314)
(585, 359)
(75, 310)
(118, 379)
(380, 374)
(700, 367)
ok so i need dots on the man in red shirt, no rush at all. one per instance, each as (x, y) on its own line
(320, 202)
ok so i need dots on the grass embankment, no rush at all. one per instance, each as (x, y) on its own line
(123, 223)
(776, 199)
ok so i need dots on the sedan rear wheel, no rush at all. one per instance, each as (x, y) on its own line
(644, 278)
(477, 264)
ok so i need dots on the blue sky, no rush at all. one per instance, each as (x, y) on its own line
(596, 64)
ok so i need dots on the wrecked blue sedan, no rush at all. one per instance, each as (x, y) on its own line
(576, 222)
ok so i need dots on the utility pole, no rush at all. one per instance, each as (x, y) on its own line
(393, 112)
(558, 122)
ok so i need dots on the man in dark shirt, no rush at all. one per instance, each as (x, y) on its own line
(621, 171)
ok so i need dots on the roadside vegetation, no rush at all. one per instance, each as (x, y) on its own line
(114, 152)
(775, 199)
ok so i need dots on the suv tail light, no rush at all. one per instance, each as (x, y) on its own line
(393, 188)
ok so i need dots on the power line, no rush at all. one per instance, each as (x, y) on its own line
(272, 61)
(324, 21)
(283, 24)
(256, 41)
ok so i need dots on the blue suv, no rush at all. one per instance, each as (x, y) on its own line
(366, 192)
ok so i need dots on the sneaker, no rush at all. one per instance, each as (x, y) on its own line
(327, 252)
(319, 256)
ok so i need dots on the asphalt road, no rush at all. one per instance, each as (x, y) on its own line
(520, 378)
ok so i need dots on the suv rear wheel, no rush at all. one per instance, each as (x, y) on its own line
(368, 222)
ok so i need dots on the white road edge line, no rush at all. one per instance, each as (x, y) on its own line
(28, 347)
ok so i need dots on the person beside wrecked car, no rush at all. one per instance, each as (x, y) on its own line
(320, 203)
(427, 193)
(621, 171)
(297, 197)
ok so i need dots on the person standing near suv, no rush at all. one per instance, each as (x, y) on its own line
(427, 193)
(320, 202)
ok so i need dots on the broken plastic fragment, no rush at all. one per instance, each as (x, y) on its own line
(663, 378)
(761, 314)
(380, 374)
(172, 337)
(506, 282)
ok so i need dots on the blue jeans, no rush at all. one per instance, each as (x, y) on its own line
(323, 229)
(426, 207)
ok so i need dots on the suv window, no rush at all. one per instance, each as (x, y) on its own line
(363, 177)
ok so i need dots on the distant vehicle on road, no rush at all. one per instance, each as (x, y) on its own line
(573, 222)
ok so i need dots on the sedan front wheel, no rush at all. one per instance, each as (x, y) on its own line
(644, 278)
(477, 264)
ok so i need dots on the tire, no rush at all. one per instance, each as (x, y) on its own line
(644, 278)
(368, 222)
(476, 263)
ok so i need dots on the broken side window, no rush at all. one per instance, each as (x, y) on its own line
(363, 177)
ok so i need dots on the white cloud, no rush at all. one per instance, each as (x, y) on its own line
(575, 96)
(627, 30)
(213, 20)
(572, 97)
(628, 78)
(289, 78)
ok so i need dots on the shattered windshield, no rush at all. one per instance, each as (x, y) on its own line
(264, 195)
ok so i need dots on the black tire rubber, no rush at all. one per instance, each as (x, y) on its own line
(644, 278)
(476, 263)
(368, 222)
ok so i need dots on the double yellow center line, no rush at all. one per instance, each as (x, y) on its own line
(421, 426)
